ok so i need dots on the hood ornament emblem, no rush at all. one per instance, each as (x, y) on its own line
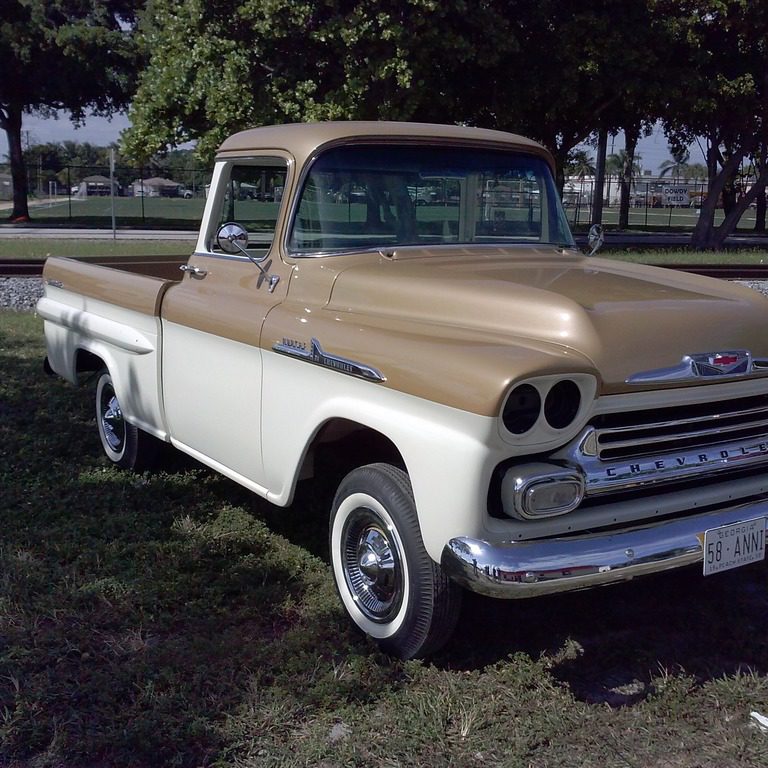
(704, 365)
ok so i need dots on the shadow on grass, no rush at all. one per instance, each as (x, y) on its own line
(608, 644)
(140, 614)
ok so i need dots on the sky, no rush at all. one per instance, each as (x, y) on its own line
(99, 131)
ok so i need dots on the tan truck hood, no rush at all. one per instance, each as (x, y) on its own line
(625, 318)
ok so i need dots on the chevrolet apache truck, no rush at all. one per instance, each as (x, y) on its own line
(406, 302)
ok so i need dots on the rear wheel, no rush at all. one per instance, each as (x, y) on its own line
(124, 444)
(389, 585)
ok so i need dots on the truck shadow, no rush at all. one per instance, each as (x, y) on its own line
(608, 645)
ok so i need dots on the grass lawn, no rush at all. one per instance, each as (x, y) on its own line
(173, 619)
(41, 248)
(686, 255)
(170, 213)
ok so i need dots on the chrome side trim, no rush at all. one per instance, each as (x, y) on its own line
(727, 364)
(314, 354)
(509, 569)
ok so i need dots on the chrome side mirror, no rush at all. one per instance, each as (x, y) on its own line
(596, 238)
(233, 238)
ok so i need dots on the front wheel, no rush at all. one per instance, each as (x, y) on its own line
(124, 444)
(389, 585)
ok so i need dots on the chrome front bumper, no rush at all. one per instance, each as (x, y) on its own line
(545, 566)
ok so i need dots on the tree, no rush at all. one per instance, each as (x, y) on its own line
(581, 67)
(626, 164)
(580, 164)
(719, 90)
(550, 70)
(69, 55)
(299, 60)
(678, 165)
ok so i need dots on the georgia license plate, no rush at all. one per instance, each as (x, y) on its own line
(731, 546)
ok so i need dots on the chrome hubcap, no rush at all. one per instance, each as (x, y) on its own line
(372, 566)
(112, 422)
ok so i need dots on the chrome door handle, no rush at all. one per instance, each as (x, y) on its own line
(195, 272)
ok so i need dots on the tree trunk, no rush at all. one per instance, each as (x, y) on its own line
(561, 160)
(733, 217)
(10, 122)
(761, 206)
(597, 195)
(703, 237)
(706, 235)
(631, 135)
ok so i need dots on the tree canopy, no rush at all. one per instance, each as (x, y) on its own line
(216, 68)
(719, 90)
(554, 71)
(72, 55)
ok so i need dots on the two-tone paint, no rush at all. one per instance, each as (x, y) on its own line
(448, 330)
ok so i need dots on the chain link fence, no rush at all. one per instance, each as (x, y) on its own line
(80, 195)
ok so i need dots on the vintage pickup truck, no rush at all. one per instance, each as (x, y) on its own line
(404, 303)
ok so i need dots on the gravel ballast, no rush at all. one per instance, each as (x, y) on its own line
(20, 293)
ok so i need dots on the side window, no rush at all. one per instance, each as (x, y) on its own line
(253, 195)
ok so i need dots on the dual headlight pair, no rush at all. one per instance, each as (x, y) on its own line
(544, 409)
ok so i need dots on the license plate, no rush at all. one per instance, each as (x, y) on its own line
(731, 546)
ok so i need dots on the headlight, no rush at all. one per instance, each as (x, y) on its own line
(562, 404)
(551, 403)
(522, 409)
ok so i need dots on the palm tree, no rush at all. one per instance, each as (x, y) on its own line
(580, 164)
(617, 164)
(677, 166)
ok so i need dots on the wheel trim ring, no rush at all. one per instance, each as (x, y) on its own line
(112, 422)
(376, 598)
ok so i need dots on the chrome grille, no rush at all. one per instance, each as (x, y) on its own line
(667, 430)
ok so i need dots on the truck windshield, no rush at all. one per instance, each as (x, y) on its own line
(382, 196)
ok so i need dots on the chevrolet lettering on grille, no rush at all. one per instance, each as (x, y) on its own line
(695, 459)
(602, 477)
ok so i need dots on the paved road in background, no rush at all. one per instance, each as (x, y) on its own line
(13, 230)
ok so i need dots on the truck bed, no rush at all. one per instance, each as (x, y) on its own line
(133, 284)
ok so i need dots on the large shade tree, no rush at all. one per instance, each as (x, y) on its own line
(580, 67)
(551, 70)
(219, 67)
(71, 55)
(719, 90)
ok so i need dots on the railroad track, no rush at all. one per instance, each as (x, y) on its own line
(34, 268)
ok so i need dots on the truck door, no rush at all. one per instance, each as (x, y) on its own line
(212, 323)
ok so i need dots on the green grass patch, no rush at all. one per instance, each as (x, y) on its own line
(173, 619)
(686, 255)
(42, 248)
(149, 212)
